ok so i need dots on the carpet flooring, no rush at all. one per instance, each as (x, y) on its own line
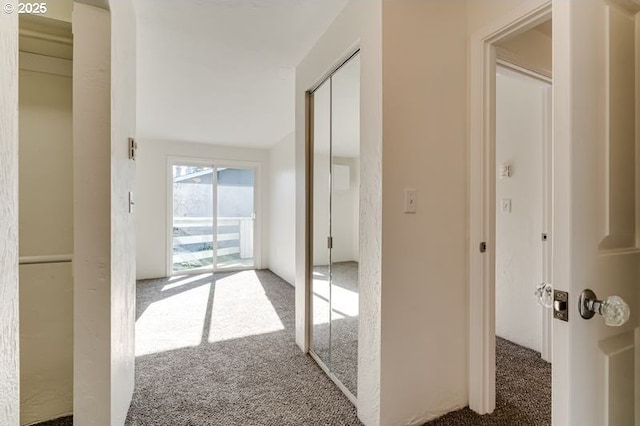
(62, 421)
(523, 391)
(220, 350)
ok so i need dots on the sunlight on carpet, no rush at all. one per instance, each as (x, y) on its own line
(241, 308)
(191, 310)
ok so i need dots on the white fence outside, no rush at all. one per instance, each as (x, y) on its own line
(242, 235)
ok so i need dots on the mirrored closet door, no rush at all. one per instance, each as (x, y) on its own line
(335, 176)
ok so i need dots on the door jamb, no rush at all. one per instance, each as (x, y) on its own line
(482, 197)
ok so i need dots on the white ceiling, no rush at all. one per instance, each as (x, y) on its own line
(223, 71)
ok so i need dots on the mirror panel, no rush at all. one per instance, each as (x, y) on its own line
(345, 162)
(321, 290)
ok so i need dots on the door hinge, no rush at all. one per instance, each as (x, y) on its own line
(329, 243)
(483, 247)
(133, 149)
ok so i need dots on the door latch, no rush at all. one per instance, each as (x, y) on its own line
(561, 305)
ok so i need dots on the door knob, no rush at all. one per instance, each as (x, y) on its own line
(544, 294)
(614, 310)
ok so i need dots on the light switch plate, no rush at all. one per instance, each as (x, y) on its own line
(505, 205)
(410, 201)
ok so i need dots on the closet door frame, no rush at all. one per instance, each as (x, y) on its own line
(215, 164)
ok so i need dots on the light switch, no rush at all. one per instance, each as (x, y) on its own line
(132, 202)
(410, 200)
(505, 205)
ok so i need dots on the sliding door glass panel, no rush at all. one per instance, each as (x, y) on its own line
(321, 273)
(345, 194)
(192, 218)
(236, 217)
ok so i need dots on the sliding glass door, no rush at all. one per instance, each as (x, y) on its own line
(213, 217)
(193, 224)
(235, 218)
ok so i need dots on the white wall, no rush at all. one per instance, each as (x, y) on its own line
(424, 255)
(123, 232)
(92, 215)
(345, 213)
(9, 340)
(282, 186)
(359, 24)
(46, 342)
(337, 209)
(520, 136)
(104, 236)
(152, 192)
(46, 228)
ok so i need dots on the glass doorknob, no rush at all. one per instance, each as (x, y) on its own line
(614, 309)
(544, 294)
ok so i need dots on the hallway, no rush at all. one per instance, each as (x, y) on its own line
(220, 350)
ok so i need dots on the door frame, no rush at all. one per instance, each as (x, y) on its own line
(482, 200)
(257, 207)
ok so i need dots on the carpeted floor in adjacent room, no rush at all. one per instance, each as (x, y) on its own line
(523, 391)
(220, 350)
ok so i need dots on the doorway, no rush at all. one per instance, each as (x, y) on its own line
(522, 245)
(213, 215)
(523, 136)
(510, 218)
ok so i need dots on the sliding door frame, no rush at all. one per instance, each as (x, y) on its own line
(215, 164)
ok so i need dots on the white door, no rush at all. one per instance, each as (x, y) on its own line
(596, 215)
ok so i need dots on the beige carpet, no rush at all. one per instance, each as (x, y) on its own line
(220, 351)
